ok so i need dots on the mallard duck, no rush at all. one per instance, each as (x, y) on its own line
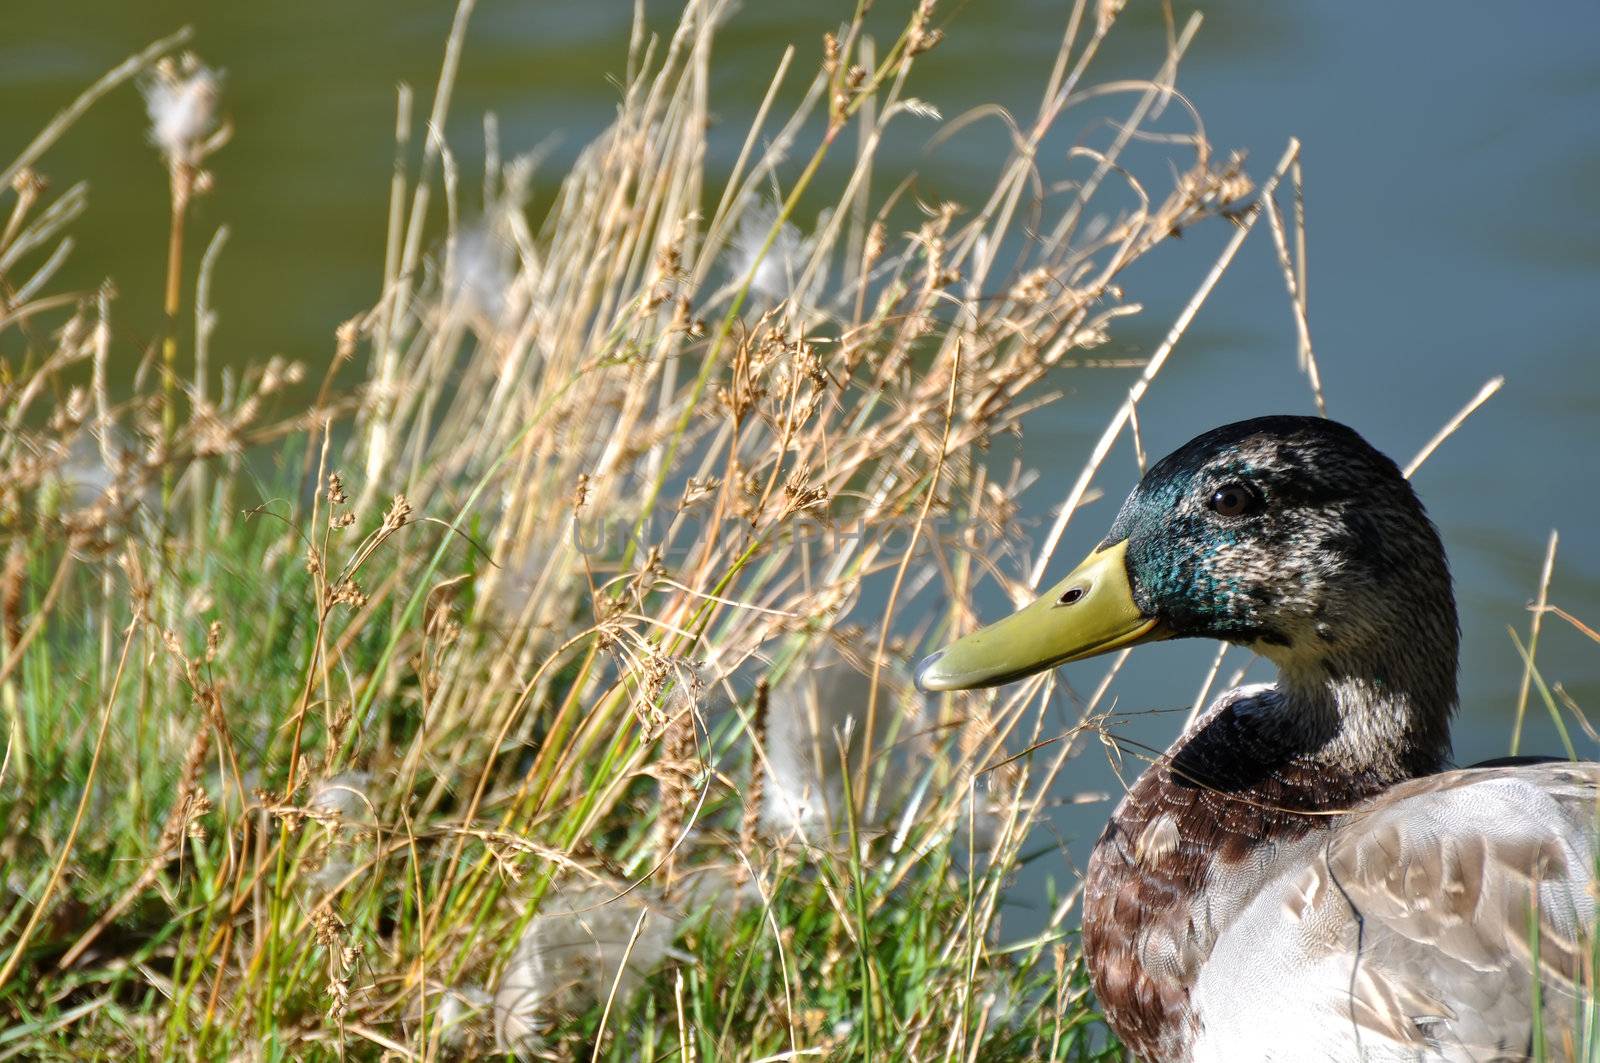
(1302, 876)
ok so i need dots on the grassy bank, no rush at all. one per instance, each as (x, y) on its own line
(545, 691)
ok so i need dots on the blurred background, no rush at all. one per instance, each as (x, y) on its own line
(1452, 158)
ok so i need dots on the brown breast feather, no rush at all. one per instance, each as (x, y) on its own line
(1210, 807)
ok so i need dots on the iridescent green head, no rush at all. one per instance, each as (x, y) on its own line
(1290, 535)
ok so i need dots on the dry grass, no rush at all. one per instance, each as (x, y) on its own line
(398, 755)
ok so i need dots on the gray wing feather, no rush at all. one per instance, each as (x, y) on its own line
(1419, 929)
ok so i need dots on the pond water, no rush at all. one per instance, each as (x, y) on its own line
(1452, 154)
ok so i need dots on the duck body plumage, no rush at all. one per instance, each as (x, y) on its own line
(1284, 912)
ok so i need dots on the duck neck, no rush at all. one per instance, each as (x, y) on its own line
(1382, 715)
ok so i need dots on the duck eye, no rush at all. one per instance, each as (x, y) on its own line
(1235, 500)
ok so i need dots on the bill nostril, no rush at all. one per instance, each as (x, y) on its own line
(1072, 595)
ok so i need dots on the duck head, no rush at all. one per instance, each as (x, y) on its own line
(1289, 535)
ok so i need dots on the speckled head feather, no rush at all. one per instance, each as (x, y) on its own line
(1321, 559)
(1333, 519)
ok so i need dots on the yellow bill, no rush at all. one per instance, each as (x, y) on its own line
(1091, 611)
